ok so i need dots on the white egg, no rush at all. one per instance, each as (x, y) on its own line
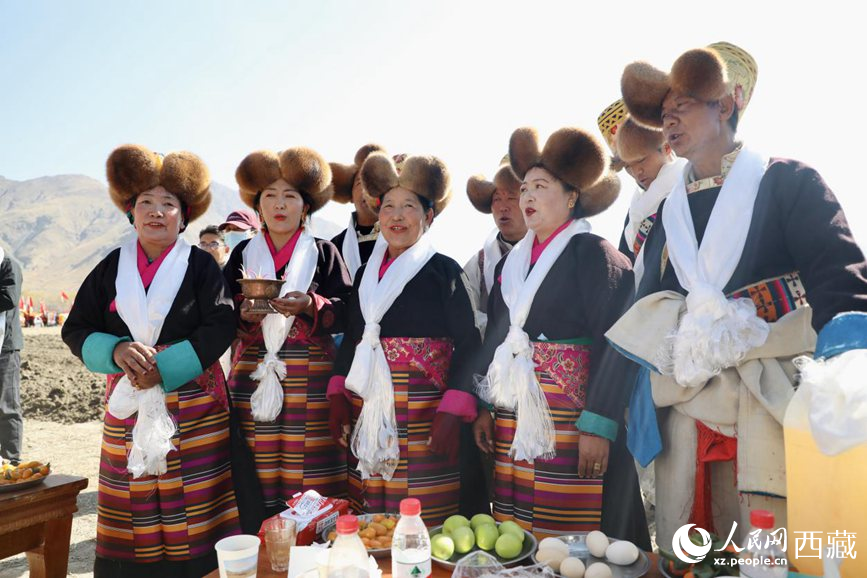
(554, 544)
(598, 570)
(572, 568)
(622, 553)
(552, 558)
(597, 543)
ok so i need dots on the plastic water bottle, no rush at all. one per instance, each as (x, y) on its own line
(410, 546)
(762, 558)
(348, 556)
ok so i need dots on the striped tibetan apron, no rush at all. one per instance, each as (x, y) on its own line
(295, 452)
(181, 514)
(547, 497)
(419, 369)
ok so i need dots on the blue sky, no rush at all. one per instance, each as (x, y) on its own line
(448, 78)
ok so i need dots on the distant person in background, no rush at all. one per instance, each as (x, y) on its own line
(346, 182)
(11, 342)
(212, 240)
(239, 225)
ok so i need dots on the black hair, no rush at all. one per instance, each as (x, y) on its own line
(212, 230)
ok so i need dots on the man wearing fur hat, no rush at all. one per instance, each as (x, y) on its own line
(500, 199)
(649, 160)
(346, 182)
(745, 244)
(155, 317)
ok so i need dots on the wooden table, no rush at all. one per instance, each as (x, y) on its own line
(264, 568)
(38, 521)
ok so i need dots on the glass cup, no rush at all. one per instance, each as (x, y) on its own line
(279, 539)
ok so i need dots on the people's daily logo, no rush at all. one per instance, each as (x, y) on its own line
(687, 550)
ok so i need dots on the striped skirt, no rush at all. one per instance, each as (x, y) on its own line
(418, 367)
(181, 514)
(295, 452)
(547, 497)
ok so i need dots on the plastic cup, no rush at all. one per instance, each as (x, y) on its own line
(279, 540)
(238, 556)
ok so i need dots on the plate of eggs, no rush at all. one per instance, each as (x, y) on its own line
(592, 555)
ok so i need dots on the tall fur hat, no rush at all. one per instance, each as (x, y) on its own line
(134, 169)
(635, 141)
(426, 176)
(572, 155)
(481, 191)
(343, 176)
(303, 168)
(706, 74)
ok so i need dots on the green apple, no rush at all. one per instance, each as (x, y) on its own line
(464, 539)
(508, 546)
(454, 522)
(513, 528)
(486, 536)
(481, 520)
(442, 547)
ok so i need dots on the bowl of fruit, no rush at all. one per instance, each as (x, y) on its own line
(376, 531)
(507, 542)
(24, 475)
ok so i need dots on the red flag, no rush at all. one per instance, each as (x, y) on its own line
(21, 303)
(42, 309)
(64, 296)
(30, 305)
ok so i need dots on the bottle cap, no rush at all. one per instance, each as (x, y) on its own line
(347, 525)
(410, 507)
(762, 519)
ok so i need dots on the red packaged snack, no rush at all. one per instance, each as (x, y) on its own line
(312, 514)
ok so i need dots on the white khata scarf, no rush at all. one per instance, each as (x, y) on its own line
(715, 332)
(267, 400)
(492, 255)
(144, 315)
(511, 380)
(375, 440)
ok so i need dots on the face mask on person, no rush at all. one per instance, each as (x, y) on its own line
(233, 238)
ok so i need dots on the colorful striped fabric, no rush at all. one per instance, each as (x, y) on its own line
(416, 365)
(643, 232)
(547, 497)
(775, 297)
(183, 513)
(295, 452)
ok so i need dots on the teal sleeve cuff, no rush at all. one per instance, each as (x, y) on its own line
(97, 353)
(596, 424)
(178, 364)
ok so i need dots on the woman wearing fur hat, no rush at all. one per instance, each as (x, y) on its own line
(745, 243)
(346, 182)
(155, 317)
(500, 199)
(281, 367)
(403, 376)
(557, 430)
(649, 160)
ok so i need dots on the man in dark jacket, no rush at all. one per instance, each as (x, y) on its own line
(11, 341)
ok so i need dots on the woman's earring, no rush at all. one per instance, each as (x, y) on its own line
(571, 204)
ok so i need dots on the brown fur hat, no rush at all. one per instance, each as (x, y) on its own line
(635, 141)
(481, 191)
(133, 169)
(426, 176)
(304, 169)
(343, 176)
(572, 155)
(706, 74)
